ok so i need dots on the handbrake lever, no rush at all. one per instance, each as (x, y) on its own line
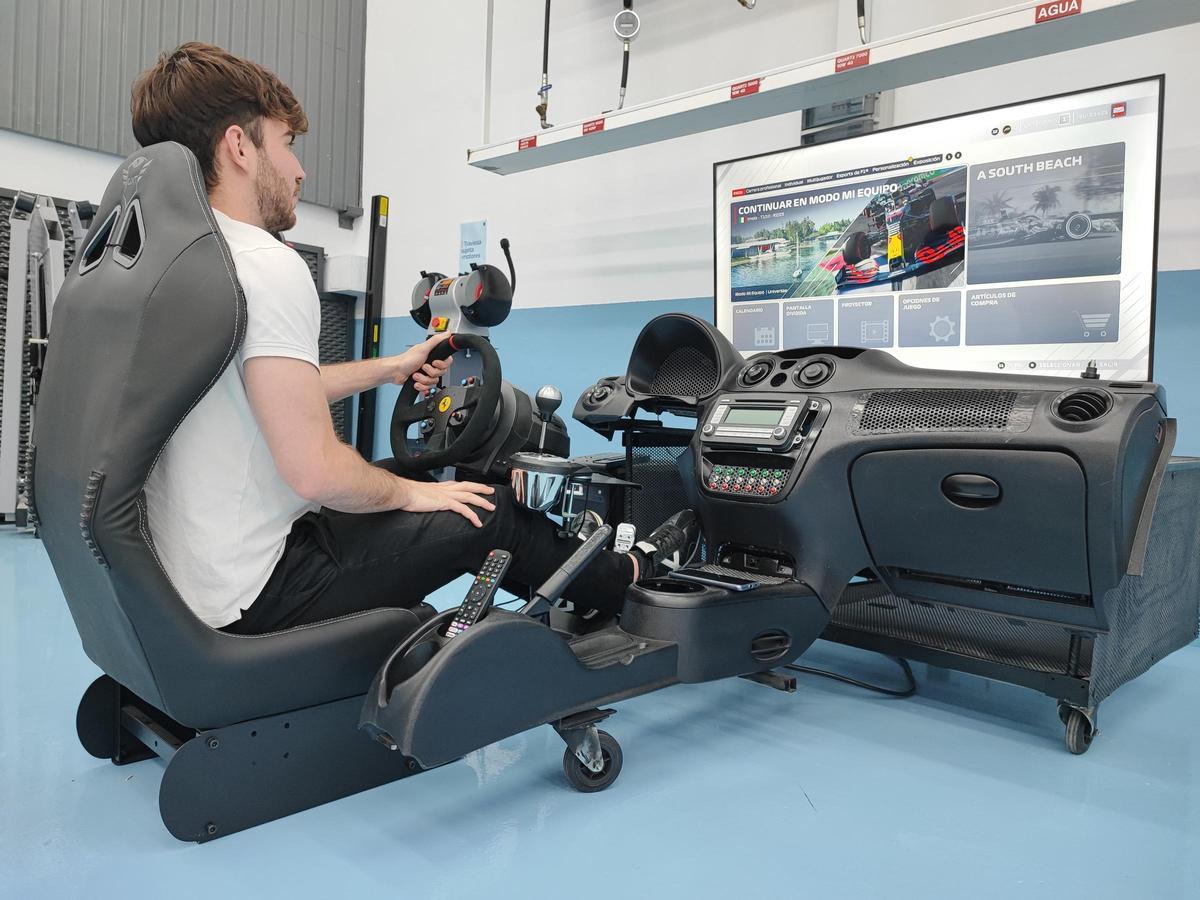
(553, 587)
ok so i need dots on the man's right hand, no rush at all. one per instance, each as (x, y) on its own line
(289, 403)
(456, 496)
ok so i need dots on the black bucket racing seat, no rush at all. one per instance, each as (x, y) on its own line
(253, 728)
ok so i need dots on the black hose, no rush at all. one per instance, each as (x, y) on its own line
(625, 66)
(546, 44)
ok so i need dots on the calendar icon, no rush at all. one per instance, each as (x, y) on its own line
(764, 336)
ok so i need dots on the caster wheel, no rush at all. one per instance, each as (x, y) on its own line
(1079, 732)
(584, 779)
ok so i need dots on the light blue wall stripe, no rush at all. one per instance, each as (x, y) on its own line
(1177, 353)
(572, 346)
(567, 346)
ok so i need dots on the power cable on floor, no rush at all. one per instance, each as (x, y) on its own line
(891, 692)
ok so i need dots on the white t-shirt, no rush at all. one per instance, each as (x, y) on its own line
(219, 509)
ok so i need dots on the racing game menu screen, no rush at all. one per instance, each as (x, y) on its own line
(1018, 238)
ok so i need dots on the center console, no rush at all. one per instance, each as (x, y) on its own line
(753, 445)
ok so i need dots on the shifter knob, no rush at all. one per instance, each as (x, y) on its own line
(548, 400)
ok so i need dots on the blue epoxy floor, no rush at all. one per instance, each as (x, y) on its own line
(729, 790)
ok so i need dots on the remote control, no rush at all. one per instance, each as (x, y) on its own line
(626, 535)
(483, 591)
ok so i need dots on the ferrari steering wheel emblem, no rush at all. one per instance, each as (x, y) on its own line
(445, 403)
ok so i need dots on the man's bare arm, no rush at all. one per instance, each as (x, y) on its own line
(290, 405)
(343, 379)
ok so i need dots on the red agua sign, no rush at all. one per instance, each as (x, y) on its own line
(1047, 12)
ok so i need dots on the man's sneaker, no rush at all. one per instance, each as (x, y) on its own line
(669, 544)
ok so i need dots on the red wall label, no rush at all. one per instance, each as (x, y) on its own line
(592, 126)
(527, 143)
(852, 60)
(1047, 12)
(739, 192)
(743, 88)
(1117, 110)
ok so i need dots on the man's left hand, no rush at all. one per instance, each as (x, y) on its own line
(412, 364)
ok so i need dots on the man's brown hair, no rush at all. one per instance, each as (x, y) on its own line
(194, 94)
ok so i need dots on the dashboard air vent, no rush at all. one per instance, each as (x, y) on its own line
(1083, 406)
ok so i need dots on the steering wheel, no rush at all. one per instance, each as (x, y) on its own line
(458, 420)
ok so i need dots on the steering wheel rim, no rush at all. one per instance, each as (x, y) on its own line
(474, 433)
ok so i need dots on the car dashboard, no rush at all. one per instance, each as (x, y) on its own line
(1028, 495)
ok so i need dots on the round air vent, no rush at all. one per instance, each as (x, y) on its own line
(771, 644)
(598, 395)
(755, 372)
(813, 373)
(1083, 406)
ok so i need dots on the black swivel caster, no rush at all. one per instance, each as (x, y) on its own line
(582, 777)
(1080, 725)
(592, 760)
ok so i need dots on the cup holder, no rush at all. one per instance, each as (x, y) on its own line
(670, 586)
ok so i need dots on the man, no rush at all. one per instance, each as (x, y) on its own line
(262, 518)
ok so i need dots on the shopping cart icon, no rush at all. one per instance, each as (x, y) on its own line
(1095, 322)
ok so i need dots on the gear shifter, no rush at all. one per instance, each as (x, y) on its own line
(548, 400)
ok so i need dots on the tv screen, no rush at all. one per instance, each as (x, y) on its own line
(1018, 238)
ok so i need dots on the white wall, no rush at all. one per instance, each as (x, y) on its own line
(1174, 52)
(39, 166)
(637, 224)
(629, 226)
(633, 225)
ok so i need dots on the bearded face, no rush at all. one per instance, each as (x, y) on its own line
(276, 198)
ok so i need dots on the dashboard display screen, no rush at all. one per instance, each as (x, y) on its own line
(742, 415)
(1017, 239)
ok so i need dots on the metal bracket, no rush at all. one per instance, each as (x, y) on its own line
(582, 738)
(785, 683)
(1091, 713)
(348, 215)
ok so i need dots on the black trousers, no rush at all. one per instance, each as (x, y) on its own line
(335, 564)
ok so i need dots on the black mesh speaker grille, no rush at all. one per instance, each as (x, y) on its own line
(686, 372)
(69, 237)
(1024, 644)
(337, 323)
(655, 466)
(1156, 613)
(941, 409)
(6, 202)
(32, 273)
(312, 258)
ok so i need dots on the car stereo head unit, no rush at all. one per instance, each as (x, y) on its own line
(759, 421)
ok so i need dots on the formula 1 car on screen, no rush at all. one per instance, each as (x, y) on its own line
(1029, 228)
(904, 234)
